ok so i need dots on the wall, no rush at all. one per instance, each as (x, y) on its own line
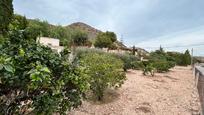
(199, 77)
(48, 41)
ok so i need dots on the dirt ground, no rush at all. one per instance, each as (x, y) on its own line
(172, 93)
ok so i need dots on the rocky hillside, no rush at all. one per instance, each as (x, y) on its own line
(92, 32)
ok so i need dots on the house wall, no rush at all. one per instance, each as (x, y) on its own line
(48, 41)
(54, 44)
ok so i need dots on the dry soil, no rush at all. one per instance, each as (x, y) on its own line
(172, 93)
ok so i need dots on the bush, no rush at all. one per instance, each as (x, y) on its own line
(80, 38)
(137, 65)
(106, 40)
(180, 58)
(105, 71)
(156, 66)
(161, 66)
(149, 68)
(129, 61)
(35, 78)
(161, 60)
(103, 41)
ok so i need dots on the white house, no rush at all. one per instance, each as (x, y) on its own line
(51, 42)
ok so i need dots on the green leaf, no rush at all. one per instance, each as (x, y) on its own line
(1, 66)
(8, 59)
(45, 69)
(9, 68)
(35, 77)
(31, 71)
(21, 52)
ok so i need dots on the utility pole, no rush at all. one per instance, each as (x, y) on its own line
(121, 39)
(192, 58)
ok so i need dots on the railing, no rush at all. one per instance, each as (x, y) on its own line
(199, 77)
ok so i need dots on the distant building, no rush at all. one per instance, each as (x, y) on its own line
(53, 43)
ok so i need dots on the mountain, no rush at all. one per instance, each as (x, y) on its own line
(62, 32)
(91, 31)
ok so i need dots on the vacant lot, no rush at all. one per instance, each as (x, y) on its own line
(172, 93)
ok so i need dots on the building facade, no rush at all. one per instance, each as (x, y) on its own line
(53, 43)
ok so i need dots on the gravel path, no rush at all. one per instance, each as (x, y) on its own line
(172, 93)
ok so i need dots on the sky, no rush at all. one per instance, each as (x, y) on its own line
(176, 25)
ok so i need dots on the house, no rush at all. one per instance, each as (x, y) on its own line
(53, 43)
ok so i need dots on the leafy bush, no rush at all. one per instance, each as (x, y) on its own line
(105, 71)
(137, 65)
(129, 61)
(180, 58)
(105, 40)
(161, 66)
(156, 66)
(149, 68)
(36, 80)
(79, 38)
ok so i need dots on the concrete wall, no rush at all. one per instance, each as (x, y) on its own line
(48, 41)
(199, 77)
(54, 44)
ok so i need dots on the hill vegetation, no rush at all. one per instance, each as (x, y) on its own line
(92, 32)
(79, 34)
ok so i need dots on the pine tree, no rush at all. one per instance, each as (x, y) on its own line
(6, 13)
(187, 57)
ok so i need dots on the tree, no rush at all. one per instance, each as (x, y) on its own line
(133, 50)
(6, 13)
(182, 59)
(37, 28)
(38, 77)
(160, 51)
(61, 33)
(105, 40)
(80, 38)
(186, 58)
(111, 35)
(105, 71)
(128, 60)
(34, 79)
(18, 22)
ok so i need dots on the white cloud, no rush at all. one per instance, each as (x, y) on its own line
(179, 41)
(136, 20)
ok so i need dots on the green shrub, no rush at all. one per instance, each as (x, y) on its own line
(180, 58)
(171, 64)
(161, 66)
(105, 40)
(137, 65)
(149, 68)
(128, 60)
(156, 66)
(38, 77)
(105, 71)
